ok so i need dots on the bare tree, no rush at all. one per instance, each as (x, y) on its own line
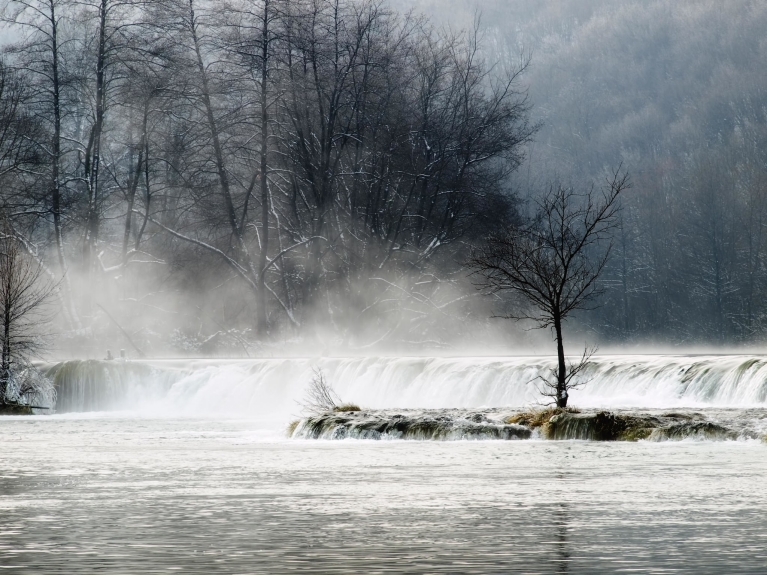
(24, 291)
(254, 46)
(320, 395)
(553, 262)
(290, 162)
(40, 20)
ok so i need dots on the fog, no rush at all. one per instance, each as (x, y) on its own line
(288, 178)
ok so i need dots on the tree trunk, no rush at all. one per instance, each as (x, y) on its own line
(243, 256)
(133, 182)
(5, 368)
(147, 196)
(561, 396)
(70, 310)
(261, 318)
(92, 175)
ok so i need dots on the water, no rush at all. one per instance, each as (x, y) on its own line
(126, 494)
(195, 474)
(271, 388)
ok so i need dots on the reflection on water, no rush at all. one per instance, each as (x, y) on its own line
(562, 524)
(132, 495)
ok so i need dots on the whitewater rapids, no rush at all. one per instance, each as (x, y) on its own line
(188, 467)
(271, 389)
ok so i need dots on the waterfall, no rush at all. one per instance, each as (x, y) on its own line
(271, 388)
(92, 385)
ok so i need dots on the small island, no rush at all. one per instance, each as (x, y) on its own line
(485, 424)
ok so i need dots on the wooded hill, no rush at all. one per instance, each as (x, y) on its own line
(251, 170)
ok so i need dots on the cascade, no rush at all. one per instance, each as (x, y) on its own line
(90, 385)
(272, 388)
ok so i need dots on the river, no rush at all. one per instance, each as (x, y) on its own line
(184, 466)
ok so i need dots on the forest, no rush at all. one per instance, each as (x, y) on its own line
(199, 177)
(674, 91)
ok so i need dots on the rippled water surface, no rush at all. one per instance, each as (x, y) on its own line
(122, 494)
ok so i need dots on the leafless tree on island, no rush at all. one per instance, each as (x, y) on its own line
(553, 262)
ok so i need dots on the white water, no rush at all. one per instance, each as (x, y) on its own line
(271, 388)
(127, 495)
(132, 493)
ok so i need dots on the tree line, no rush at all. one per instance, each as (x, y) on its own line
(207, 174)
(674, 91)
(222, 172)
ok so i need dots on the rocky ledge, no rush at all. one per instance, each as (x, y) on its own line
(15, 409)
(407, 424)
(554, 424)
(609, 426)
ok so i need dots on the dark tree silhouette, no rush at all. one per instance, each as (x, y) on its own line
(553, 261)
(24, 291)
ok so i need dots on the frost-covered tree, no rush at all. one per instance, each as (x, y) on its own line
(24, 292)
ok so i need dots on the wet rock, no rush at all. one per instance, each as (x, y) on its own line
(15, 409)
(478, 418)
(600, 426)
(366, 425)
(553, 424)
(707, 430)
(608, 426)
(538, 417)
(683, 416)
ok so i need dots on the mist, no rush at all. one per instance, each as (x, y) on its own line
(193, 190)
(403, 286)
(668, 90)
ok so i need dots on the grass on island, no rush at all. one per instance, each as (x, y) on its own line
(538, 417)
(292, 426)
(344, 407)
